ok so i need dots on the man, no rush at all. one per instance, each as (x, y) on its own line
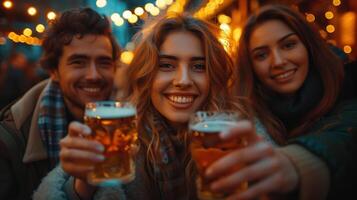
(79, 52)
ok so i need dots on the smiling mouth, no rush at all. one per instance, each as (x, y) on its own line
(285, 75)
(91, 89)
(180, 99)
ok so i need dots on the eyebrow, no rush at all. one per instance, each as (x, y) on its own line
(82, 56)
(77, 56)
(194, 58)
(281, 39)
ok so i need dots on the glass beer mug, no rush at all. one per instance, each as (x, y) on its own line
(207, 147)
(113, 124)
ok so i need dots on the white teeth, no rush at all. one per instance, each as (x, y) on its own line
(91, 89)
(181, 99)
(285, 75)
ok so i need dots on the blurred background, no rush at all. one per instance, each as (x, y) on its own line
(22, 23)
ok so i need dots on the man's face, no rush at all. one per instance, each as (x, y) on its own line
(85, 72)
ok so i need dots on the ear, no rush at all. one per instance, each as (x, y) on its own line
(54, 75)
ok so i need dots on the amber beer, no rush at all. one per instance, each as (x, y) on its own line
(114, 125)
(207, 147)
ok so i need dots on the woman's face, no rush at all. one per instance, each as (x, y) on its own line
(280, 59)
(181, 84)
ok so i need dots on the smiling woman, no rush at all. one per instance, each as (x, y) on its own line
(306, 99)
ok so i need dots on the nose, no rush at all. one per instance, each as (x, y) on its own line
(183, 77)
(278, 58)
(92, 71)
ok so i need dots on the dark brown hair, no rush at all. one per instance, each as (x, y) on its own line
(74, 23)
(328, 65)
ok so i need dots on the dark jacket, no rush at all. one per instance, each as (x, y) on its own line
(23, 159)
(334, 139)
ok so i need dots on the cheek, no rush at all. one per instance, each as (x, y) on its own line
(261, 70)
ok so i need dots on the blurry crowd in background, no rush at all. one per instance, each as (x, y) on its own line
(20, 41)
(18, 73)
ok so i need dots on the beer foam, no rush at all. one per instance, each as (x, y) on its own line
(111, 112)
(212, 126)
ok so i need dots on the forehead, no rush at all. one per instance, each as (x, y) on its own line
(268, 32)
(90, 45)
(182, 43)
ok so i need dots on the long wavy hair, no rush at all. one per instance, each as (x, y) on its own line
(145, 64)
(328, 65)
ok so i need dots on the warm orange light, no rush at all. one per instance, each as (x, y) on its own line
(336, 2)
(2, 40)
(330, 28)
(32, 11)
(237, 32)
(310, 17)
(51, 15)
(329, 15)
(323, 34)
(149, 6)
(119, 21)
(160, 4)
(22, 38)
(347, 49)
(133, 19)
(40, 28)
(11, 35)
(126, 57)
(27, 32)
(127, 14)
(139, 11)
(347, 23)
(224, 19)
(7, 4)
(155, 11)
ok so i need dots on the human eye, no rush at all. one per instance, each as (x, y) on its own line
(106, 63)
(77, 63)
(199, 67)
(260, 55)
(166, 66)
(289, 44)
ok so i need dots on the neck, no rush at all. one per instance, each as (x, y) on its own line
(76, 111)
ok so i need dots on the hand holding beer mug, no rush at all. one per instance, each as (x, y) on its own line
(207, 147)
(113, 124)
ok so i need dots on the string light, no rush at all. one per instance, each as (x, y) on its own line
(160, 4)
(127, 14)
(224, 19)
(336, 2)
(329, 15)
(51, 15)
(101, 3)
(133, 19)
(347, 49)
(7, 4)
(330, 28)
(139, 11)
(32, 11)
(40, 28)
(310, 17)
(126, 57)
(148, 7)
(27, 32)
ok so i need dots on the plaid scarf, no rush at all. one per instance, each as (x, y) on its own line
(174, 159)
(52, 120)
